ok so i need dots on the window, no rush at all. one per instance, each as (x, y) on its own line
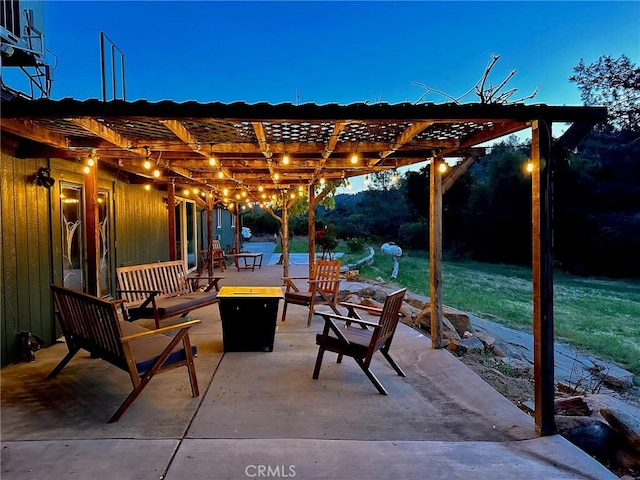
(218, 218)
(72, 236)
(186, 229)
(105, 239)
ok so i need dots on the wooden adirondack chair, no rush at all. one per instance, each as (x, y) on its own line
(323, 288)
(360, 339)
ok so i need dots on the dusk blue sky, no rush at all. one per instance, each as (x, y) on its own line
(326, 52)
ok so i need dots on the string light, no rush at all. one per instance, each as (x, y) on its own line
(354, 159)
(86, 169)
(220, 174)
(443, 167)
(156, 173)
(285, 159)
(212, 159)
(147, 187)
(322, 181)
(529, 166)
(276, 177)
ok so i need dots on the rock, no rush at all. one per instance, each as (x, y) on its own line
(488, 340)
(613, 376)
(423, 320)
(471, 344)
(458, 319)
(409, 312)
(590, 435)
(351, 275)
(380, 279)
(626, 426)
(572, 406)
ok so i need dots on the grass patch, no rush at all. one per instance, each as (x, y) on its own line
(600, 316)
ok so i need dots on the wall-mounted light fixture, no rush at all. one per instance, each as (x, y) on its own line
(43, 178)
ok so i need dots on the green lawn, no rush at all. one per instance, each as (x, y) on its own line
(601, 316)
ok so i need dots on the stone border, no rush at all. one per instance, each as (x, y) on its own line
(367, 260)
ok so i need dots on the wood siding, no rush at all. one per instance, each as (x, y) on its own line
(141, 225)
(25, 255)
(31, 241)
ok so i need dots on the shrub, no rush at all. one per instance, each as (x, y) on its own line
(355, 245)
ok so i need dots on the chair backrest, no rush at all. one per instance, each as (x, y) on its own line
(326, 273)
(166, 277)
(389, 317)
(89, 322)
(215, 245)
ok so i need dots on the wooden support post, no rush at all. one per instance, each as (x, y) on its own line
(209, 261)
(312, 228)
(542, 266)
(435, 251)
(171, 213)
(92, 222)
(284, 195)
(236, 231)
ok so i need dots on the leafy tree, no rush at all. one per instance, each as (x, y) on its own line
(614, 83)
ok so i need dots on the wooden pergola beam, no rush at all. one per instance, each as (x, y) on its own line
(183, 134)
(404, 137)
(28, 129)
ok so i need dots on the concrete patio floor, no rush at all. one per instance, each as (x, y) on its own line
(261, 415)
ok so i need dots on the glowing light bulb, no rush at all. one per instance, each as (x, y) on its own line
(260, 188)
(443, 167)
(276, 177)
(244, 194)
(156, 173)
(354, 159)
(529, 166)
(86, 169)
(91, 162)
(285, 160)
(147, 187)
(322, 181)
(147, 165)
(220, 174)
(196, 191)
(212, 161)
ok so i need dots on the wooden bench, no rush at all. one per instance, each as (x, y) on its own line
(92, 324)
(161, 290)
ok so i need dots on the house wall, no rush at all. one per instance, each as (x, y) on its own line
(31, 240)
(142, 225)
(25, 255)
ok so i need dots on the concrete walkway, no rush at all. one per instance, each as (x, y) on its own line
(261, 415)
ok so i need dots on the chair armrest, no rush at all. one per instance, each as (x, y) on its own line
(177, 326)
(291, 285)
(332, 316)
(366, 308)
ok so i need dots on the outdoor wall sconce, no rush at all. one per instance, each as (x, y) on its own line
(43, 178)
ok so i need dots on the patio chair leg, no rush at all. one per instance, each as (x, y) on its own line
(67, 358)
(316, 370)
(371, 376)
(395, 366)
(310, 318)
(284, 311)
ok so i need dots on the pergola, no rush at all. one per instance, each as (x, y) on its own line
(265, 153)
